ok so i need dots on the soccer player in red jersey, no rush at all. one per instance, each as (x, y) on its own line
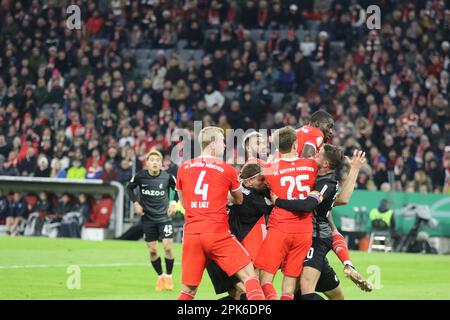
(255, 147)
(290, 235)
(310, 138)
(203, 185)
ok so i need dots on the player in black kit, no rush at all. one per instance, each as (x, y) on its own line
(247, 224)
(152, 204)
(317, 273)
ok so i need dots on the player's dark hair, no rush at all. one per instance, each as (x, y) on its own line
(286, 138)
(320, 116)
(250, 170)
(334, 156)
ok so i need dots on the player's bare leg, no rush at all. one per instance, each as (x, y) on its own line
(155, 260)
(8, 224)
(308, 282)
(187, 292)
(335, 294)
(251, 282)
(353, 274)
(169, 259)
(288, 287)
(266, 279)
(15, 226)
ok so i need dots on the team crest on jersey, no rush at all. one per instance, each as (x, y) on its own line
(160, 185)
(245, 191)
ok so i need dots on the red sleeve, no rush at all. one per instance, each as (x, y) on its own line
(179, 176)
(232, 176)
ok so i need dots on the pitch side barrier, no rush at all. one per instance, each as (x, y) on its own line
(94, 187)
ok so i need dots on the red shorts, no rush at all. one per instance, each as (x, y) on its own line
(198, 249)
(286, 249)
(255, 238)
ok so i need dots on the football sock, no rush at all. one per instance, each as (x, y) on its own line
(269, 291)
(312, 296)
(157, 266)
(185, 296)
(169, 266)
(287, 296)
(340, 248)
(253, 290)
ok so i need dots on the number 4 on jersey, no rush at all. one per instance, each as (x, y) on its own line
(200, 187)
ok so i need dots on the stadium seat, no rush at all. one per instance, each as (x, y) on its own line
(312, 24)
(101, 214)
(31, 202)
(230, 95)
(257, 34)
(380, 237)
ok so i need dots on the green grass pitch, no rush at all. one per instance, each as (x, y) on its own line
(37, 268)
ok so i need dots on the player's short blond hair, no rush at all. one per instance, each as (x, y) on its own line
(154, 153)
(208, 135)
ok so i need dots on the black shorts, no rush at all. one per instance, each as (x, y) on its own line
(317, 259)
(328, 279)
(220, 280)
(154, 231)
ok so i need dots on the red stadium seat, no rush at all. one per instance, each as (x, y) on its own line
(101, 214)
(31, 202)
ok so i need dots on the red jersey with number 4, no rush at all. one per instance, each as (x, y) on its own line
(204, 183)
(309, 135)
(291, 179)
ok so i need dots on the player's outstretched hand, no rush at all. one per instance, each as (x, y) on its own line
(138, 209)
(351, 273)
(358, 159)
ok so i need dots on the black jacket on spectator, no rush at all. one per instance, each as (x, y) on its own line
(63, 208)
(43, 206)
(19, 209)
(28, 164)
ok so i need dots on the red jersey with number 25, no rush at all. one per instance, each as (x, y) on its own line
(291, 179)
(309, 135)
(204, 183)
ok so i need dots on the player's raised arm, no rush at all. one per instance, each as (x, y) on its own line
(356, 162)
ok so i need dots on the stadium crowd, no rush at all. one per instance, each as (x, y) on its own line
(75, 104)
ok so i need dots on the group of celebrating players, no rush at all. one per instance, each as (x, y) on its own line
(275, 214)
